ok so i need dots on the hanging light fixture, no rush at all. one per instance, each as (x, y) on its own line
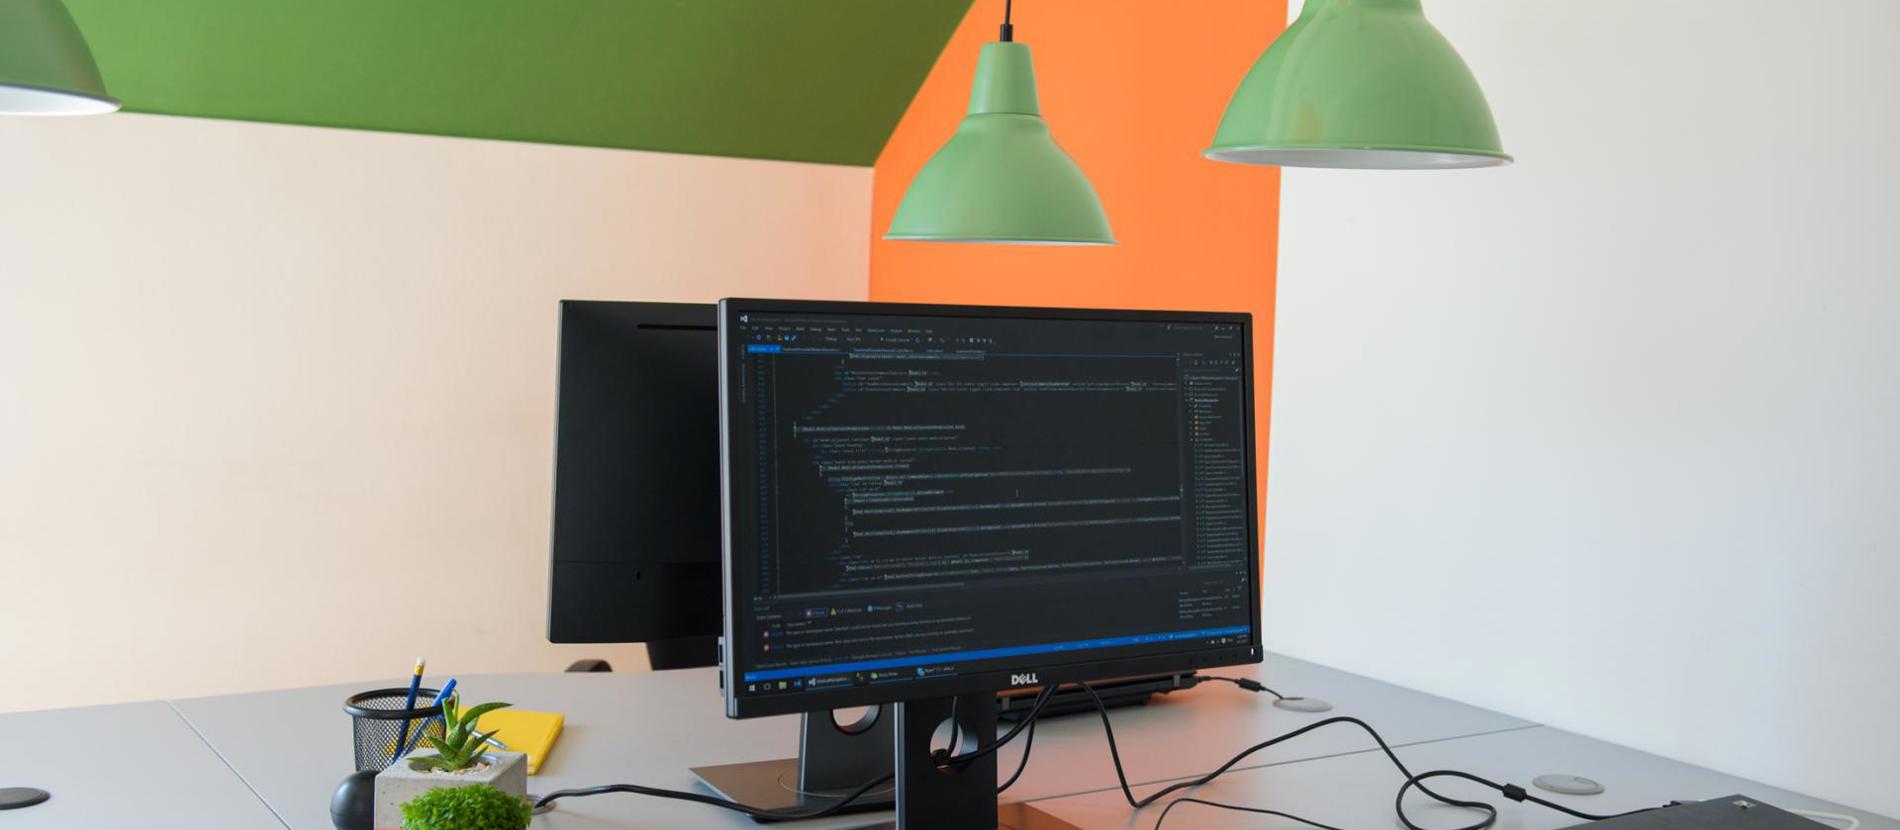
(1367, 84)
(45, 67)
(1001, 178)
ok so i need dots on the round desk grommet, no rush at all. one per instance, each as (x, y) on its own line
(13, 798)
(1567, 784)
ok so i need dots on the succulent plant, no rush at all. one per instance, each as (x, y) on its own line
(461, 746)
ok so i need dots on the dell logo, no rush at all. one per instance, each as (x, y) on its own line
(1023, 679)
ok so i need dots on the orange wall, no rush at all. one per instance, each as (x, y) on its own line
(1133, 90)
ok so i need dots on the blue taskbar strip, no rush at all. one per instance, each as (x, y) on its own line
(991, 653)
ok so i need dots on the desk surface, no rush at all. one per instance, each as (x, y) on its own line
(156, 773)
(1357, 790)
(219, 761)
(649, 727)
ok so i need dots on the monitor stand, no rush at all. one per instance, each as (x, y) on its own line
(833, 761)
(959, 797)
(836, 760)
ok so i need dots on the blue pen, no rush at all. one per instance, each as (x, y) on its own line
(408, 704)
(447, 690)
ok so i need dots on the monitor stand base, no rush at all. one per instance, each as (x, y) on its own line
(833, 762)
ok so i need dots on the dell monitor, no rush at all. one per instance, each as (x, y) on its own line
(635, 552)
(925, 505)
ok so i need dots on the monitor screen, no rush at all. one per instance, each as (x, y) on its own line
(923, 501)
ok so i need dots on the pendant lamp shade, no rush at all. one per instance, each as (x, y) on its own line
(45, 67)
(1367, 84)
(1002, 178)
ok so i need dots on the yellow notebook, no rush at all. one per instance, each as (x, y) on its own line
(532, 733)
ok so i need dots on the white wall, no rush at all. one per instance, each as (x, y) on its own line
(1610, 439)
(276, 403)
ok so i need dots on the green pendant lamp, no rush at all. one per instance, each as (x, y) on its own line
(1001, 178)
(1367, 84)
(45, 67)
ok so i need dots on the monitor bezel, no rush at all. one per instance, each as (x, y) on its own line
(1045, 674)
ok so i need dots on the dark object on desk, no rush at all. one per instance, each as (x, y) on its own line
(13, 798)
(353, 805)
(1012, 705)
(1733, 812)
(635, 552)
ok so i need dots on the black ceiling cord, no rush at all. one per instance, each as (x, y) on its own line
(1009, 32)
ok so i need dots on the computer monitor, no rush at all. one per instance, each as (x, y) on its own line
(927, 504)
(635, 554)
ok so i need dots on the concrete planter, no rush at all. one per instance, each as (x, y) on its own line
(403, 781)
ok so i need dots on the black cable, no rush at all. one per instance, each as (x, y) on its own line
(1238, 808)
(944, 758)
(956, 726)
(1008, 32)
(1244, 683)
(1028, 722)
(1114, 754)
(1029, 743)
(715, 801)
(1515, 793)
(1412, 781)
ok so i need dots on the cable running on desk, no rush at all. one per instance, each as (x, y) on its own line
(941, 757)
(1510, 791)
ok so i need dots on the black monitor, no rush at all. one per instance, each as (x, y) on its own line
(636, 484)
(927, 504)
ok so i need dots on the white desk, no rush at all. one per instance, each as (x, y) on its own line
(649, 727)
(1357, 790)
(133, 765)
(219, 761)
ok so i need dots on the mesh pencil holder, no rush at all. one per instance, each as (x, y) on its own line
(378, 718)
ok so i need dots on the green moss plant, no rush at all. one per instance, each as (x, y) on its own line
(474, 807)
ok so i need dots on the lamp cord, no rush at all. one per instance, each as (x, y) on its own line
(1009, 32)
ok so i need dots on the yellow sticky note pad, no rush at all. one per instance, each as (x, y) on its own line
(532, 733)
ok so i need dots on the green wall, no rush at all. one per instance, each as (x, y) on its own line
(804, 80)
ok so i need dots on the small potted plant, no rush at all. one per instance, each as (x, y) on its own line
(459, 758)
(472, 807)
